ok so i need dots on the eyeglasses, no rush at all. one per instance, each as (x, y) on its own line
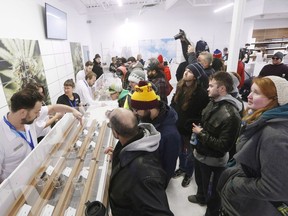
(275, 58)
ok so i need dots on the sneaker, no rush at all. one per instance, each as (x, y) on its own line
(193, 199)
(178, 173)
(186, 181)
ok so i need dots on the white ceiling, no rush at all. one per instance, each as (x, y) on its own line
(92, 7)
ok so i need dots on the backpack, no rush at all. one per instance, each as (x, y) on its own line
(201, 46)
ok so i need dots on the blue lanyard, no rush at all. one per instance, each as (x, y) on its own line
(20, 134)
(74, 102)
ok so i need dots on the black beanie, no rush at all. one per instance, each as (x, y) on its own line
(199, 73)
(197, 70)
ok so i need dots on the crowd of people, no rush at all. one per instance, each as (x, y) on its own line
(239, 156)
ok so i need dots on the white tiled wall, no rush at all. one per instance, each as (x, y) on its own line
(58, 66)
(57, 61)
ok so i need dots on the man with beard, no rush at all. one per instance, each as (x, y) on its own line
(18, 134)
(84, 89)
(156, 76)
(145, 104)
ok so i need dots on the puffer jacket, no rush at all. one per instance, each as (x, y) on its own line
(260, 175)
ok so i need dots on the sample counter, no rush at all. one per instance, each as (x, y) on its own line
(65, 170)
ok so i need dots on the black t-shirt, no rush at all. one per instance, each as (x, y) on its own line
(63, 99)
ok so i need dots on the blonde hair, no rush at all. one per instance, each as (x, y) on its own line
(268, 89)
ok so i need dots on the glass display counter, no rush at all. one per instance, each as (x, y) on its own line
(65, 170)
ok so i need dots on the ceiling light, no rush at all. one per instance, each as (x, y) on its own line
(224, 7)
(120, 3)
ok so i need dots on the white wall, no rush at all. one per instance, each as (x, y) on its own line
(198, 23)
(24, 19)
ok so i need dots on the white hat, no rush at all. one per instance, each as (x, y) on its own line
(281, 85)
(137, 75)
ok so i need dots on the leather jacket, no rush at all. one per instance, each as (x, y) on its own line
(221, 125)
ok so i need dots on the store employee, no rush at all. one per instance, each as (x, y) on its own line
(18, 135)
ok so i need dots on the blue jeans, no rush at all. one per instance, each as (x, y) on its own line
(186, 157)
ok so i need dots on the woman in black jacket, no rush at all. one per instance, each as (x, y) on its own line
(189, 101)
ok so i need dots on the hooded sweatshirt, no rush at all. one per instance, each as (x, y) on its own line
(137, 184)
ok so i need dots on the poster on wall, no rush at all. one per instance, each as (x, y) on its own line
(21, 63)
(77, 58)
(152, 48)
(86, 53)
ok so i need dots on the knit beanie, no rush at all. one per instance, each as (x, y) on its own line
(197, 70)
(136, 75)
(278, 55)
(144, 97)
(281, 85)
(217, 54)
(153, 64)
(160, 58)
(115, 87)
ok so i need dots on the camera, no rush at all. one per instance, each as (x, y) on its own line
(182, 35)
(179, 35)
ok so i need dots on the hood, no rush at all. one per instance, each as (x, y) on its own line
(278, 112)
(138, 65)
(149, 142)
(229, 98)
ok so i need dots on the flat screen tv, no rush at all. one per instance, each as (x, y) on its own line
(56, 23)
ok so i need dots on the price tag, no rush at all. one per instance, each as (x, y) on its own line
(92, 144)
(78, 143)
(49, 170)
(24, 210)
(47, 210)
(70, 212)
(67, 171)
(84, 172)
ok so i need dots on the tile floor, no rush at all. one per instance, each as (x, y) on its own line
(178, 201)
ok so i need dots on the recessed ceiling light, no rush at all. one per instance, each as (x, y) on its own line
(224, 7)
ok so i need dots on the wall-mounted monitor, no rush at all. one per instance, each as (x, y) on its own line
(56, 23)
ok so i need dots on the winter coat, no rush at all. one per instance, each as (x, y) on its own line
(137, 184)
(260, 174)
(221, 124)
(192, 114)
(169, 146)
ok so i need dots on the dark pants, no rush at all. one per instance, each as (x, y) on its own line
(186, 157)
(206, 178)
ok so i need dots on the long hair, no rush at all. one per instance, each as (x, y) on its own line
(268, 89)
(187, 91)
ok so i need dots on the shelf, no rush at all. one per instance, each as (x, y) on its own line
(271, 48)
(269, 42)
